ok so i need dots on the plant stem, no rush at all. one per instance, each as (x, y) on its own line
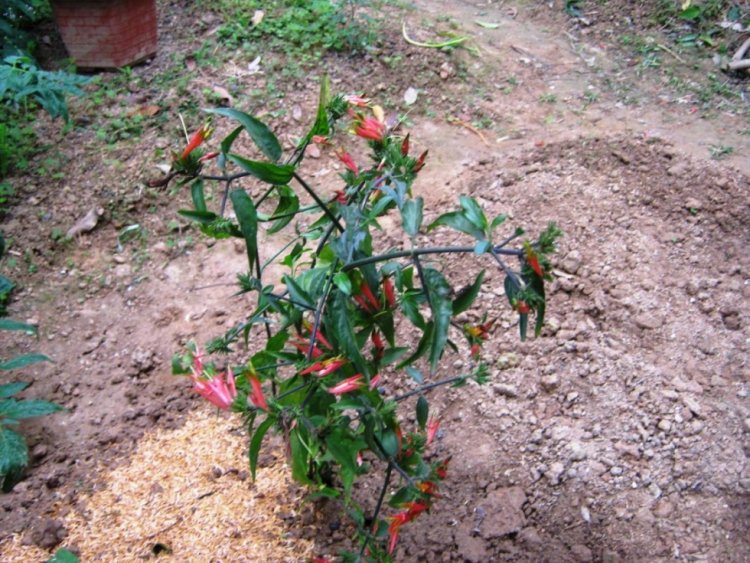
(319, 201)
(378, 506)
(423, 251)
(428, 387)
(290, 300)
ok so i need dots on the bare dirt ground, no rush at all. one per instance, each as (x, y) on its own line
(622, 434)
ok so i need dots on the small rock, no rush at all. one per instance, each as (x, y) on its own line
(507, 361)
(692, 405)
(504, 513)
(577, 453)
(550, 382)
(313, 151)
(39, 451)
(616, 470)
(572, 262)
(665, 425)
(678, 169)
(582, 553)
(506, 390)
(648, 321)
(554, 472)
(48, 533)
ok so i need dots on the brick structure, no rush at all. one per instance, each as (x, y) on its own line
(107, 33)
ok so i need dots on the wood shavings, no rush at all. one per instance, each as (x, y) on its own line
(167, 494)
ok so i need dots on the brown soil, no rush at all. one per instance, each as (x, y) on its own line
(621, 434)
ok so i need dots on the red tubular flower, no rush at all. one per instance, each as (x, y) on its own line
(367, 292)
(533, 259)
(429, 488)
(357, 101)
(390, 293)
(419, 164)
(348, 161)
(522, 307)
(349, 384)
(442, 470)
(432, 428)
(416, 508)
(394, 528)
(257, 397)
(405, 146)
(303, 345)
(370, 128)
(378, 343)
(208, 156)
(325, 367)
(218, 390)
(374, 382)
(475, 350)
(197, 139)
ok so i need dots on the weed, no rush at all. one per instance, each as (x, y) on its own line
(720, 151)
(548, 98)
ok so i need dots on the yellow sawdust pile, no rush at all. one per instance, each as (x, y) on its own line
(167, 494)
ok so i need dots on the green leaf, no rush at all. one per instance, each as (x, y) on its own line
(497, 221)
(511, 290)
(228, 141)
(341, 321)
(247, 215)
(256, 442)
(259, 131)
(422, 347)
(473, 212)
(487, 25)
(523, 325)
(300, 464)
(537, 284)
(423, 411)
(442, 310)
(481, 247)
(392, 354)
(17, 410)
(321, 127)
(415, 374)
(203, 217)
(389, 443)
(277, 174)
(466, 296)
(297, 292)
(63, 556)
(2, 245)
(10, 324)
(23, 361)
(288, 205)
(10, 389)
(342, 281)
(691, 13)
(14, 457)
(456, 220)
(196, 191)
(411, 215)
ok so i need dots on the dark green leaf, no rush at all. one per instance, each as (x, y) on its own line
(691, 13)
(288, 206)
(422, 347)
(228, 141)
(10, 389)
(389, 443)
(411, 215)
(247, 215)
(415, 374)
(423, 411)
(259, 131)
(300, 464)
(10, 324)
(392, 354)
(343, 282)
(14, 457)
(473, 212)
(341, 319)
(2, 245)
(199, 198)
(537, 284)
(203, 217)
(297, 292)
(497, 221)
(63, 556)
(442, 310)
(321, 127)
(457, 220)
(523, 325)
(511, 290)
(17, 410)
(265, 171)
(23, 361)
(467, 295)
(256, 442)
(481, 247)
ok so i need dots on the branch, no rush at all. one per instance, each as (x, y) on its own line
(428, 387)
(319, 201)
(423, 251)
(378, 506)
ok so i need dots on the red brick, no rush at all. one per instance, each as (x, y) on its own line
(107, 33)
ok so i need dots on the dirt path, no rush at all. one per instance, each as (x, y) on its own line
(620, 435)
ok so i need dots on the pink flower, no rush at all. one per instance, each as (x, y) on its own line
(348, 161)
(432, 428)
(358, 101)
(347, 385)
(320, 139)
(256, 397)
(218, 390)
(374, 382)
(324, 367)
(370, 128)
